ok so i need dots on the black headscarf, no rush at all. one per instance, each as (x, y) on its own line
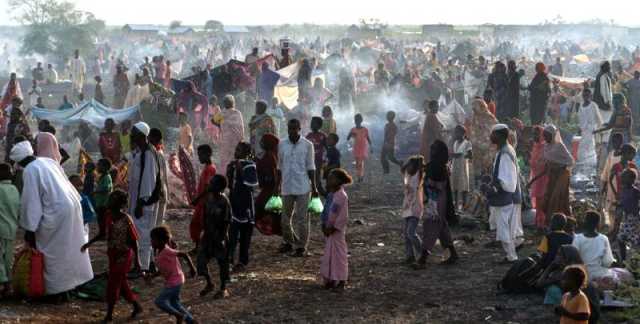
(437, 167)
(437, 170)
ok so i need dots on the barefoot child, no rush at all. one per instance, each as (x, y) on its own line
(207, 173)
(9, 213)
(169, 267)
(334, 265)
(575, 307)
(328, 123)
(319, 141)
(215, 240)
(88, 212)
(389, 145)
(122, 251)
(412, 205)
(361, 143)
(332, 155)
(460, 171)
(243, 180)
(103, 188)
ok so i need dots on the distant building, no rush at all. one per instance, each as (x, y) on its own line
(235, 29)
(141, 30)
(437, 30)
(182, 30)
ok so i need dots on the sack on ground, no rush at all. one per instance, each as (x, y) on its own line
(521, 277)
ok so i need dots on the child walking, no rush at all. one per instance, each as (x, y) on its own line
(412, 206)
(332, 155)
(122, 251)
(334, 265)
(9, 213)
(460, 171)
(88, 212)
(243, 179)
(575, 307)
(389, 145)
(103, 188)
(207, 173)
(361, 143)
(215, 240)
(328, 122)
(89, 181)
(319, 141)
(169, 267)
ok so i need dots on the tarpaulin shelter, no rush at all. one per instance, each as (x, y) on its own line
(90, 111)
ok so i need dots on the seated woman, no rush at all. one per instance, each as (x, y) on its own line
(550, 280)
(596, 253)
(556, 238)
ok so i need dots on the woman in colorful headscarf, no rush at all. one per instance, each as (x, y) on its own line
(47, 146)
(481, 124)
(540, 89)
(11, 90)
(267, 167)
(558, 162)
(537, 164)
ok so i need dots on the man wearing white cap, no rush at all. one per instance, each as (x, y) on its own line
(144, 189)
(504, 194)
(51, 215)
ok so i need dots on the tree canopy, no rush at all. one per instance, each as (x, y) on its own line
(175, 24)
(213, 26)
(55, 27)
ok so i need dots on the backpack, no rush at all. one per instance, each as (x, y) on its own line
(521, 277)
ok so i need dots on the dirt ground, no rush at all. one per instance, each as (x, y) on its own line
(280, 289)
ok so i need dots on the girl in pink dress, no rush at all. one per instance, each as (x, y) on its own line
(361, 143)
(334, 265)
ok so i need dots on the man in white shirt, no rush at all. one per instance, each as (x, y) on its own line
(52, 75)
(297, 168)
(78, 70)
(504, 194)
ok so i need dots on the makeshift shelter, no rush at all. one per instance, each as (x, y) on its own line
(91, 112)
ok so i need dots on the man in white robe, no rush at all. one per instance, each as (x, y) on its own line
(142, 183)
(51, 215)
(590, 120)
(504, 195)
(77, 69)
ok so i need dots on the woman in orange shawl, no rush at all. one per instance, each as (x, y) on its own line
(558, 162)
(537, 164)
(479, 132)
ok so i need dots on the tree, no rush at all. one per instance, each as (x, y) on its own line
(175, 24)
(55, 27)
(214, 26)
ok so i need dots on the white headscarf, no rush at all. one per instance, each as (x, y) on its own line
(20, 151)
(143, 128)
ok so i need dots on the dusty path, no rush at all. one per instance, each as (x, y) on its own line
(279, 289)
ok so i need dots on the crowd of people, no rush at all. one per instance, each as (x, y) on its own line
(249, 159)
